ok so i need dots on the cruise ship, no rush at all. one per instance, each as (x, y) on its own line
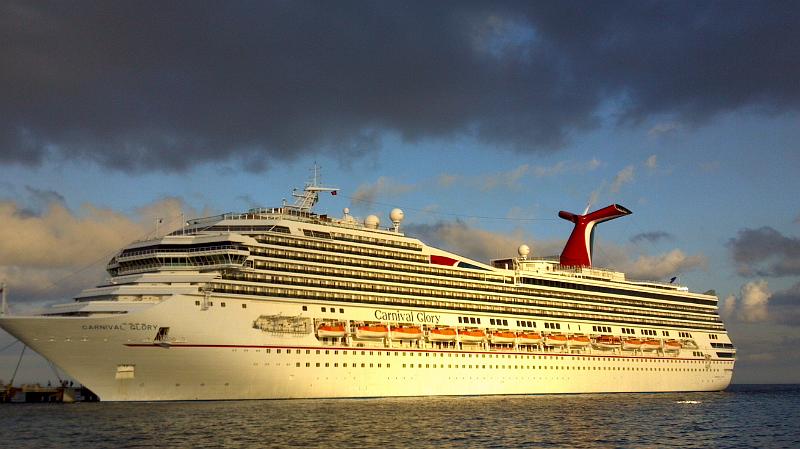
(288, 303)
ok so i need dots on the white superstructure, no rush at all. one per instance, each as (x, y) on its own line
(285, 303)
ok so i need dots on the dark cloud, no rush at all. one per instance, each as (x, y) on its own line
(164, 85)
(785, 306)
(651, 237)
(765, 252)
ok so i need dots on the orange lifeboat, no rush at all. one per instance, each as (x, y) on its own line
(607, 342)
(651, 345)
(531, 338)
(406, 333)
(631, 344)
(372, 331)
(331, 330)
(442, 334)
(472, 335)
(672, 345)
(503, 337)
(555, 340)
(579, 341)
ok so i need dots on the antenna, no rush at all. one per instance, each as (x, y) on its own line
(305, 200)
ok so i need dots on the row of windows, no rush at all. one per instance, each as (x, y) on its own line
(450, 294)
(712, 336)
(526, 324)
(338, 259)
(684, 335)
(533, 367)
(601, 329)
(616, 291)
(222, 304)
(434, 304)
(650, 332)
(356, 352)
(552, 325)
(279, 240)
(339, 248)
(450, 283)
(721, 345)
(469, 320)
(157, 262)
(238, 228)
(376, 241)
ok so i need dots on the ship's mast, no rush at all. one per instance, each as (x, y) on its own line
(304, 201)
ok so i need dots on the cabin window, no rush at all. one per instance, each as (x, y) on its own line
(305, 308)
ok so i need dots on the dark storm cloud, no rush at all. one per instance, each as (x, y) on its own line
(164, 85)
(651, 237)
(765, 252)
(785, 306)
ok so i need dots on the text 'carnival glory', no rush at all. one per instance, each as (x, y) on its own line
(286, 303)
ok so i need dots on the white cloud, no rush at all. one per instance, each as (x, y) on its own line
(510, 179)
(662, 129)
(565, 167)
(659, 267)
(754, 299)
(507, 180)
(728, 307)
(624, 176)
(57, 253)
(366, 194)
(651, 162)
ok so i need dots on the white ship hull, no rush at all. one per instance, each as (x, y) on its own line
(218, 354)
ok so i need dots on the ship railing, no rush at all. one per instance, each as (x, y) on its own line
(206, 250)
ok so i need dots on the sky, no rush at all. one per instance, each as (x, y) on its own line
(481, 120)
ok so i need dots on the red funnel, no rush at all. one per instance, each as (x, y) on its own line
(578, 250)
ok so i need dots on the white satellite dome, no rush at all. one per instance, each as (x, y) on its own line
(372, 221)
(396, 215)
(524, 250)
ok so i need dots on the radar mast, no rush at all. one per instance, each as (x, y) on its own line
(305, 200)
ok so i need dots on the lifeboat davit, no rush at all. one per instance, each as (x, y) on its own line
(579, 341)
(442, 334)
(372, 331)
(672, 345)
(472, 335)
(503, 337)
(406, 333)
(651, 345)
(331, 330)
(529, 338)
(555, 340)
(607, 342)
(632, 343)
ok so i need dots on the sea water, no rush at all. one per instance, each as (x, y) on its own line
(744, 416)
